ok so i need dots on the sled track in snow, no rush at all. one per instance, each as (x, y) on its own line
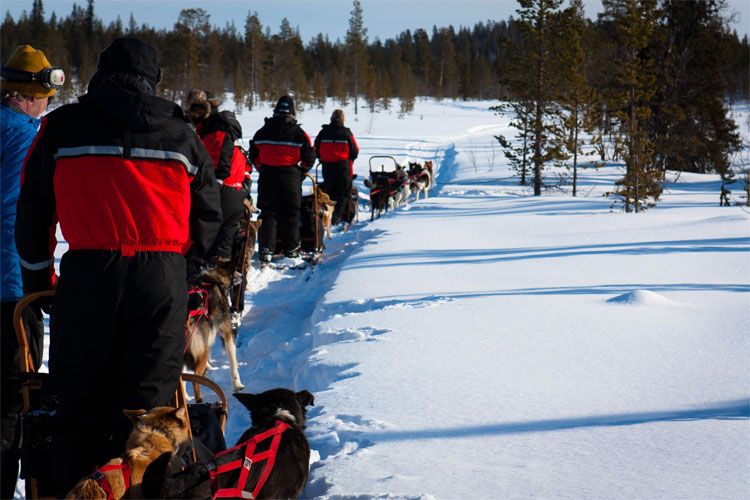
(277, 337)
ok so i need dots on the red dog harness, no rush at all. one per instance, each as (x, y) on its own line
(249, 458)
(101, 479)
(201, 312)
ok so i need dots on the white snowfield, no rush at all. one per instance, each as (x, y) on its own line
(486, 343)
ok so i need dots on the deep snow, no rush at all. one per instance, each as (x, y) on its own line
(486, 343)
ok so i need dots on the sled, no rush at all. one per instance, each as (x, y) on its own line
(39, 406)
(310, 228)
(383, 185)
(207, 420)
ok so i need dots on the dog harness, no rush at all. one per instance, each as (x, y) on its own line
(247, 460)
(103, 482)
(201, 312)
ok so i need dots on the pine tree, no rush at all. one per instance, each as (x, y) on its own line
(356, 44)
(576, 93)
(191, 30)
(406, 90)
(318, 90)
(632, 94)
(447, 71)
(255, 43)
(518, 152)
(690, 127)
(132, 26)
(532, 82)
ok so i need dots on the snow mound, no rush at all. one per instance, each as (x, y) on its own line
(642, 298)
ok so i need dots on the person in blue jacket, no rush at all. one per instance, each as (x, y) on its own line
(28, 81)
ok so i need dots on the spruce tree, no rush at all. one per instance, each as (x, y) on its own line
(575, 91)
(633, 89)
(356, 44)
(255, 44)
(531, 80)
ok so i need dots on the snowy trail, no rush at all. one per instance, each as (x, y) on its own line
(486, 343)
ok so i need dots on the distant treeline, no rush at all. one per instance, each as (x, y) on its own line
(255, 63)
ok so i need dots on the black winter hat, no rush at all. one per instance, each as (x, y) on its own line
(130, 55)
(285, 106)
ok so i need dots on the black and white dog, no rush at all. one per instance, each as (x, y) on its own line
(274, 451)
(420, 179)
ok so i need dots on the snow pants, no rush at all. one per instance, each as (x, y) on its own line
(11, 402)
(231, 209)
(337, 183)
(116, 342)
(280, 202)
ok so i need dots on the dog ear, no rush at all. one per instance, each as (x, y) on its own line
(180, 413)
(306, 398)
(247, 400)
(134, 415)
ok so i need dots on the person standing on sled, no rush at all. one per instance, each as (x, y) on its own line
(337, 149)
(281, 151)
(132, 187)
(219, 130)
(28, 82)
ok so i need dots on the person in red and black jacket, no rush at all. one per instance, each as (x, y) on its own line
(337, 149)
(219, 130)
(133, 189)
(281, 152)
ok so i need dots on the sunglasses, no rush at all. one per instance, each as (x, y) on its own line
(51, 78)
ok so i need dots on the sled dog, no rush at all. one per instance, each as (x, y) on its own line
(401, 197)
(210, 316)
(326, 206)
(278, 417)
(163, 431)
(420, 179)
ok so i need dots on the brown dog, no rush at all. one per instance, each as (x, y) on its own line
(211, 316)
(156, 432)
(326, 206)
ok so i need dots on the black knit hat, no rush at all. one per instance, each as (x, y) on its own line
(130, 55)
(285, 106)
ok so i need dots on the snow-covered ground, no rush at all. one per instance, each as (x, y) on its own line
(486, 343)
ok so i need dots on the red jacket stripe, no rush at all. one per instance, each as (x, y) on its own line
(92, 203)
(333, 151)
(278, 154)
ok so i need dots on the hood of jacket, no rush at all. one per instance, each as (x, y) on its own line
(129, 107)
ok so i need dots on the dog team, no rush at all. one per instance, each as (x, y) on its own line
(149, 199)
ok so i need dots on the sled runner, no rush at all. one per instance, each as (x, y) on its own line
(40, 404)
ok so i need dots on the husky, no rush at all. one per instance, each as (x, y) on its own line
(162, 431)
(210, 316)
(420, 179)
(401, 197)
(325, 207)
(278, 423)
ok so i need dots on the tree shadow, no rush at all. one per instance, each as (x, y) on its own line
(725, 410)
(493, 255)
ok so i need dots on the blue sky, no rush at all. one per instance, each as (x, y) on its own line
(383, 18)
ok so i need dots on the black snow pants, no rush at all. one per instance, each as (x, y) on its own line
(231, 209)
(11, 403)
(116, 342)
(280, 202)
(337, 183)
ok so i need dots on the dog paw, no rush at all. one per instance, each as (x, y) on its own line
(237, 386)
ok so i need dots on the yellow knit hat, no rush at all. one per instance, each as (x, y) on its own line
(27, 58)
